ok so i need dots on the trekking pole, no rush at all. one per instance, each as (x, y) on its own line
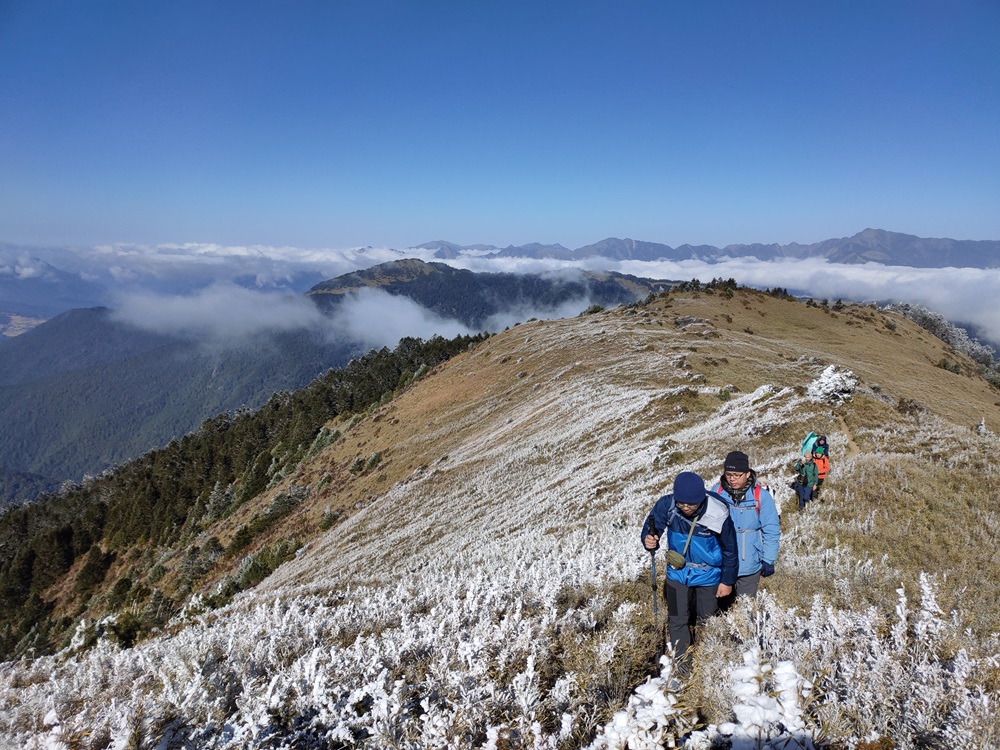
(652, 565)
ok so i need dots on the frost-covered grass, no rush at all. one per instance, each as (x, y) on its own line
(498, 596)
(915, 676)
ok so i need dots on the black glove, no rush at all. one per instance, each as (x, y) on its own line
(766, 569)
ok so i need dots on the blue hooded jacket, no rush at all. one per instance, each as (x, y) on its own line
(758, 531)
(712, 555)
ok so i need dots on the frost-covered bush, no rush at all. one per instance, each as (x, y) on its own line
(655, 717)
(833, 386)
(811, 680)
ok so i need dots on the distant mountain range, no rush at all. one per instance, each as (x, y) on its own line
(83, 392)
(869, 246)
(44, 290)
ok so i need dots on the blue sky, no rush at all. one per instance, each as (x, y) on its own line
(335, 124)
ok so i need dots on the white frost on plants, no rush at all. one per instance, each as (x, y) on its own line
(653, 717)
(833, 386)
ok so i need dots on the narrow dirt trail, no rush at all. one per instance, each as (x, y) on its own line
(852, 447)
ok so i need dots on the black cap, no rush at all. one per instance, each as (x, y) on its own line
(737, 461)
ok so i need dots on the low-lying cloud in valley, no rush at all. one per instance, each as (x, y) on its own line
(224, 315)
(377, 318)
(194, 288)
(218, 314)
(519, 312)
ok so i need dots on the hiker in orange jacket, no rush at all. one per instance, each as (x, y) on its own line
(822, 461)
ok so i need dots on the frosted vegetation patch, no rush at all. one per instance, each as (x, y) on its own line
(467, 663)
(948, 332)
(833, 386)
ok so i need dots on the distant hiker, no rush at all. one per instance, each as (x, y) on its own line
(822, 461)
(755, 518)
(821, 442)
(702, 561)
(805, 482)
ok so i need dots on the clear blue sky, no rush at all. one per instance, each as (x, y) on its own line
(336, 124)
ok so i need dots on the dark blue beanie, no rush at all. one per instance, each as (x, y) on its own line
(689, 488)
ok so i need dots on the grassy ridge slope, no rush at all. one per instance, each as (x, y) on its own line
(470, 559)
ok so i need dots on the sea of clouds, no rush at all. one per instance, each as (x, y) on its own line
(226, 292)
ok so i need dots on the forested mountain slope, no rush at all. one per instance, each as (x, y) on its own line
(122, 529)
(459, 566)
(478, 299)
(87, 390)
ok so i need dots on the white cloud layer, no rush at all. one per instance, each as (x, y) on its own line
(219, 313)
(228, 315)
(377, 318)
(962, 295)
(179, 287)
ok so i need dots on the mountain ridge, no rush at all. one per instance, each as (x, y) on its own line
(473, 538)
(867, 246)
(35, 289)
(475, 298)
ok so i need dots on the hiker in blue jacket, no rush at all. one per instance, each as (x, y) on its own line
(701, 553)
(755, 517)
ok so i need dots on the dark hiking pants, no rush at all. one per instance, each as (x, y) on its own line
(804, 491)
(745, 586)
(682, 602)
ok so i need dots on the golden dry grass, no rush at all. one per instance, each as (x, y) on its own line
(542, 360)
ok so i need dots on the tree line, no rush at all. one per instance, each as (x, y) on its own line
(164, 497)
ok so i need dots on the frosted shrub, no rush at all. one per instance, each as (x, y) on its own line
(769, 710)
(832, 666)
(833, 386)
(85, 635)
(655, 716)
(946, 331)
